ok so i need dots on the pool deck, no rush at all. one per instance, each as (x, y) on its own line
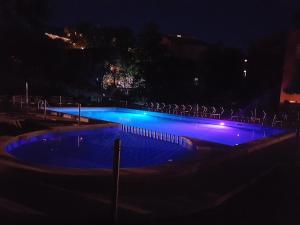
(33, 194)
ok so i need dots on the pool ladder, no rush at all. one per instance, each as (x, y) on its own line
(157, 135)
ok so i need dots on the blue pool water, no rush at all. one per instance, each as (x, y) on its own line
(223, 132)
(94, 149)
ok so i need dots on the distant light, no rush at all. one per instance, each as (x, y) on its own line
(246, 60)
(82, 48)
(179, 35)
(292, 101)
(245, 71)
(238, 135)
(55, 37)
(222, 124)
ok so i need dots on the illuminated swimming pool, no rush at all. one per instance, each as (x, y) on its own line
(223, 132)
(94, 149)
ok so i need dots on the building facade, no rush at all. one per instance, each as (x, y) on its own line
(290, 87)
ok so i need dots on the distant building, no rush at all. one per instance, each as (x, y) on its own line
(290, 87)
(183, 46)
(265, 68)
(72, 38)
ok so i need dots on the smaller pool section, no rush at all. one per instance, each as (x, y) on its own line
(222, 132)
(94, 149)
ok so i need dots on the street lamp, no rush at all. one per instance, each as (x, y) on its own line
(245, 67)
(97, 87)
(26, 93)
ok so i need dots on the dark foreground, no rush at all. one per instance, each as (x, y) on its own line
(262, 188)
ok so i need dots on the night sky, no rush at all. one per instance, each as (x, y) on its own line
(233, 22)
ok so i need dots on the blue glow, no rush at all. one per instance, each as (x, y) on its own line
(227, 133)
(94, 149)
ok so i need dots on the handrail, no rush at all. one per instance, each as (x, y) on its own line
(156, 135)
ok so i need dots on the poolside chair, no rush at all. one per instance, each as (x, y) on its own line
(189, 109)
(221, 112)
(263, 119)
(276, 121)
(157, 107)
(214, 113)
(237, 116)
(217, 114)
(254, 118)
(168, 108)
(182, 109)
(246, 117)
(196, 110)
(151, 106)
(163, 106)
(175, 109)
(205, 112)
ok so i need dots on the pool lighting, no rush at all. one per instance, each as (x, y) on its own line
(222, 124)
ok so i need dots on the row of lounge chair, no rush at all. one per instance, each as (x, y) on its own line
(219, 112)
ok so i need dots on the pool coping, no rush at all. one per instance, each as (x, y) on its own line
(173, 169)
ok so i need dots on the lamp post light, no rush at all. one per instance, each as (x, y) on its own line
(245, 67)
(26, 93)
(98, 89)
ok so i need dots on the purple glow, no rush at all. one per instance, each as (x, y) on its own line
(212, 130)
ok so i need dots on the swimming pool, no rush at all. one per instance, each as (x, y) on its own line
(222, 132)
(93, 148)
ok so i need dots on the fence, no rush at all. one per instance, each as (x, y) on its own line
(157, 135)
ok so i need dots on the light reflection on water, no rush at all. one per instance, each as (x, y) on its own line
(203, 129)
(94, 149)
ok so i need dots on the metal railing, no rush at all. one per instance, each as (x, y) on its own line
(156, 135)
